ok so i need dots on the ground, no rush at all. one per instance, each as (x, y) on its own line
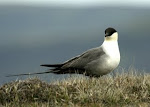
(128, 88)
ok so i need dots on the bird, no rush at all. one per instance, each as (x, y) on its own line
(94, 62)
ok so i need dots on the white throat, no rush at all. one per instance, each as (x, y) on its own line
(110, 45)
(113, 37)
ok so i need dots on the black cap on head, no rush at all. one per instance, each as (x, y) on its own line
(109, 31)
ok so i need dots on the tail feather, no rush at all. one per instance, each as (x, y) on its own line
(56, 70)
(68, 71)
(53, 70)
(29, 74)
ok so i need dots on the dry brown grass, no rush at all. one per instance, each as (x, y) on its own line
(123, 89)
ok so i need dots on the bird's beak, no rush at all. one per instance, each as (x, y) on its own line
(107, 34)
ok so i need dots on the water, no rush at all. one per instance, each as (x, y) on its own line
(30, 36)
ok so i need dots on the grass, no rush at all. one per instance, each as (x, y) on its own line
(124, 89)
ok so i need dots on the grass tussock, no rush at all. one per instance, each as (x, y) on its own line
(123, 89)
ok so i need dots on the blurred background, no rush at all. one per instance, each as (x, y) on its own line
(34, 32)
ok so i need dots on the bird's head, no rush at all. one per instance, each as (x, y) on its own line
(111, 34)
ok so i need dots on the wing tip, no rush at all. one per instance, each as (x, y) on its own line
(51, 65)
(42, 65)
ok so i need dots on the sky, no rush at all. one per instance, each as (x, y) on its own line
(137, 3)
(33, 36)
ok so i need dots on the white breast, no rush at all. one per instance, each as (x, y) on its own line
(107, 62)
(112, 50)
